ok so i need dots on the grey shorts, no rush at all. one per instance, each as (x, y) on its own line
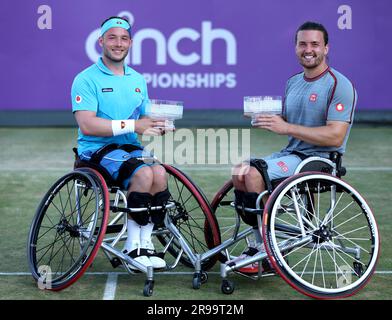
(281, 164)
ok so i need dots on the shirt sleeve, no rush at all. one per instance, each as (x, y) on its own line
(284, 102)
(145, 99)
(83, 95)
(342, 105)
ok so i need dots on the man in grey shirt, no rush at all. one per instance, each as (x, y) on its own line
(317, 116)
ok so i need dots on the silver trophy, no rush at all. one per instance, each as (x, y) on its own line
(258, 105)
(165, 110)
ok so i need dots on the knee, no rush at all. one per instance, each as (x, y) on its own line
(144, 174)
(251, 174)
(239, 171)
(159, 175)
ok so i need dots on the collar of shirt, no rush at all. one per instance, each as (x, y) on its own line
(105, 69)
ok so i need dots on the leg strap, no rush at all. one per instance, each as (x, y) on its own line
(262, 168)
(159, 199)
(140, 200)
(246, 200)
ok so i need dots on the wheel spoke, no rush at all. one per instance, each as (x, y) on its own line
(63, 238)
(324, 265)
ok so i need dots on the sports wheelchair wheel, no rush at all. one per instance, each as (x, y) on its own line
(327, 250)
(68, 229)
(193, 218)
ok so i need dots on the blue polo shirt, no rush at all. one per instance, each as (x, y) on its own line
(112, 97)
(313, 102)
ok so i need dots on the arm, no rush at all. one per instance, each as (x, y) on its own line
(91, 125)
(85, 105)
(338, 120)
(330, 135)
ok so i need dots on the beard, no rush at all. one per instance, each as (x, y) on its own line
(311, 64)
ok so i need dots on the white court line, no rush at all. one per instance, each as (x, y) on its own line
(110, 288)
(111, 283)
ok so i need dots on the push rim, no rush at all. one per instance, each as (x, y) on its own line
(336, 242)
(67, 230)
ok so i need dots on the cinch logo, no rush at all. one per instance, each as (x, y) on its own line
(167, 46)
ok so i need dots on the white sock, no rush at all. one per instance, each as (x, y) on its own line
(145, 232)
(133, 238)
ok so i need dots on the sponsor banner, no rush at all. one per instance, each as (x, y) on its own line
(208, 54)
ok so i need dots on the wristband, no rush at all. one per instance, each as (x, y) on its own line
(123, 127)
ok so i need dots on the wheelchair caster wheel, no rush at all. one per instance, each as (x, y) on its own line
(203, 277)
(358, 268)
(199, 278)
(148, 288)
(227, 287)
(196, 283)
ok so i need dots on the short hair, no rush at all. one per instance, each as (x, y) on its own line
(310, 25)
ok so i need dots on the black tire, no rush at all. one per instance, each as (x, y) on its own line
(148, 289)
(227, 286)
(192, 216)
(203, 277)
(335, 254)
(196, 283)
(67, 229)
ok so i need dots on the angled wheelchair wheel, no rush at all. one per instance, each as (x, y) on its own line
(327, 249)
(193, 218)
(67, 229)
(227, 217)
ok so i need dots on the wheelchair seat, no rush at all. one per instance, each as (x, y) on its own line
(78, 163)
(332, 166)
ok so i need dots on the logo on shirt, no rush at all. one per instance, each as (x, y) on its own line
(313, 97)
(78, 99)
(107, 89)
(137, 90)
(339, 107)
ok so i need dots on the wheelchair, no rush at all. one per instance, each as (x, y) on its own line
(319, 233)
(86, 210)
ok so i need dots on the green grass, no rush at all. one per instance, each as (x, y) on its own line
(32, 159)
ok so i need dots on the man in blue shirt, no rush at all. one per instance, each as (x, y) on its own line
(108, 100)
(317, 116)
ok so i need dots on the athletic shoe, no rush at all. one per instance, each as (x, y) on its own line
(147, 248)
(136, 255)
(253, 268)
(135, 252)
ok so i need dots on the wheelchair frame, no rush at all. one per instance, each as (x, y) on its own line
(88, 178)
(273, 250)
(201, 259)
